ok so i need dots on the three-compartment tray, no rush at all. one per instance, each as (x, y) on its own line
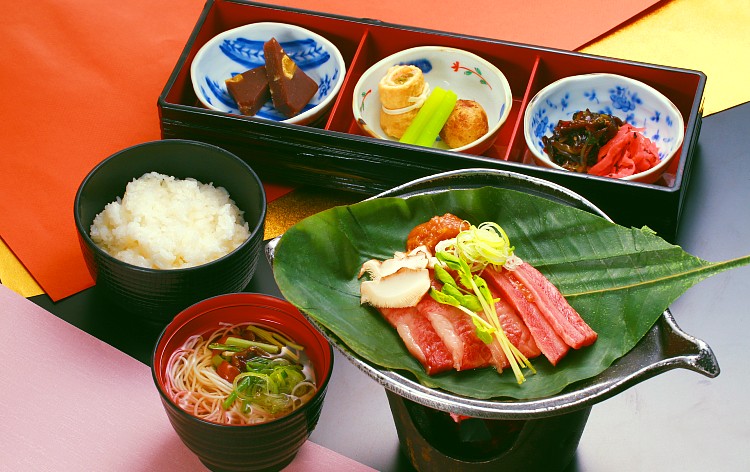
(334, 153)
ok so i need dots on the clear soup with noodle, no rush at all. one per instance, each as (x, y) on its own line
(240, 374)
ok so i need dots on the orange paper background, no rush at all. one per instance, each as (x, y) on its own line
(80, 81)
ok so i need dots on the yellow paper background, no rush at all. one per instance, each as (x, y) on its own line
(14, 275)
(693, 34)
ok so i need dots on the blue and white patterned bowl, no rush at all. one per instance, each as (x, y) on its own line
(468, 75)
(632, 101)
(237, 50)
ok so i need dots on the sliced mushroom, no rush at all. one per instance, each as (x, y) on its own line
(391, 266)
(404, 288)
(372, 268)
(422, 250)
(418, 258)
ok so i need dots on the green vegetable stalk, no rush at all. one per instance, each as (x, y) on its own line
(431, 118)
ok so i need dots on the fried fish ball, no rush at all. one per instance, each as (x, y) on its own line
(467, 123)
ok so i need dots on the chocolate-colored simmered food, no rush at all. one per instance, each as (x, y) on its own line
(249, 90)
(291, 88)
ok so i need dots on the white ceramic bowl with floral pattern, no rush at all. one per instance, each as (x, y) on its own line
(237, 50)
(630, 100)
(468, 75)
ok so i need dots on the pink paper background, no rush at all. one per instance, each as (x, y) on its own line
(72, 402)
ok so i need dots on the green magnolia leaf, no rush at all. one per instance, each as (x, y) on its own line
(619, 279)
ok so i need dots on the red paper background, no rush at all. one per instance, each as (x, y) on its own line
(80, 81)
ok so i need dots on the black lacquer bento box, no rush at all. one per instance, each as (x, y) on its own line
(334, 153)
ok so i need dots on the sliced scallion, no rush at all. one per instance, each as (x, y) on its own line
(246, 344)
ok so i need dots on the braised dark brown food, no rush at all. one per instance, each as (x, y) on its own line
(575, 143)
(291, 88)
(250, 90)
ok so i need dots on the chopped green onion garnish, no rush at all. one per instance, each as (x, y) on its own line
(225, 347)
(267, 335)
(471, 251)
(267, 382)
(229, 401)
(245, 344)
(288, 342)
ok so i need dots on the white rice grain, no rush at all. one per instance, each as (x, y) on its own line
(167, 223)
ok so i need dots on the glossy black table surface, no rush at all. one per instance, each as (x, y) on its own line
(677, 421)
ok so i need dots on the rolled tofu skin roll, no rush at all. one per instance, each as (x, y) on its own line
(402, 93)
(399, 85)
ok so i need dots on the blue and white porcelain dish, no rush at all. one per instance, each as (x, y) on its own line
(630, 100)
(468, 75)
(237, 50)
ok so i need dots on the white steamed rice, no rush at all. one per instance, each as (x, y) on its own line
(167, 223)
